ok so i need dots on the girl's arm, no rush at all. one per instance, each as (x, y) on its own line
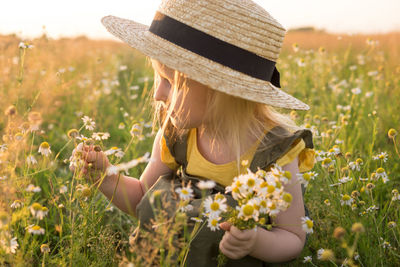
(285, 241)
(130, 190)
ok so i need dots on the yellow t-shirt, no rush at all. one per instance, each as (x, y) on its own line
(224, 173)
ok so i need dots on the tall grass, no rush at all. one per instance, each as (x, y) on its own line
(56, 82)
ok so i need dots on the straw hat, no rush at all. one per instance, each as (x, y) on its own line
(229, 45)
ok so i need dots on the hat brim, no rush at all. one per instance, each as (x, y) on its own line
(198, 68)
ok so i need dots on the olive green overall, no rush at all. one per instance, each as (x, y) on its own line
(204, 248)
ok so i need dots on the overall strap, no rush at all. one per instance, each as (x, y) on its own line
(278, 141)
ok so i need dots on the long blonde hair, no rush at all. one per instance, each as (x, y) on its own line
(229, 119)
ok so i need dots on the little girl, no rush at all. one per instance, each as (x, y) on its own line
(215, 88)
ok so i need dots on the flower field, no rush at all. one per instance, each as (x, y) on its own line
(55, 94)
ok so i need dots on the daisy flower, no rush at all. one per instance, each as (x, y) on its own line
(63, 189)
(345, 199)
(215, 205)
(381, 156)
(248, 211)
(185, 192)
(32, 188)
(307, 259)
(319, 253)
(44, 248)
(213, 222)
(89, 123)
(320, 155)
(16, 204)
(334, 151)
(327, 162)
(35, 229)
(306, 177)
(204, 185)
(9, 244)
(380, 173)
(44, 149)
(100, 136)
(307, 224)
(345, 179)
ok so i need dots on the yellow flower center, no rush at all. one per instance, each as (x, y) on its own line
(287, 197)
(346, 197)
(359, 161)
(214, 222)
(251, 182)
(184, 191)
(306, 176)
(214, 206)
(270, 189)
(309, 224)
(380, 170)
(248, 210)
(36, 227)
(36, 206)
(45, 145)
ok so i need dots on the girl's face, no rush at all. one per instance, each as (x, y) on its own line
(189, 109)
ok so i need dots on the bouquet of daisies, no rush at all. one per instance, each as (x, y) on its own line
(258, 195)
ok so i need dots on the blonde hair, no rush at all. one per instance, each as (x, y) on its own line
(229, 120)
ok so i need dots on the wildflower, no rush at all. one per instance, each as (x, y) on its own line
(185, 192)
(44, 149)
(215, 205)
(392, 133)
(9, 244)
(381, 156)
(44, 248)
(307, 259)
(136, 129)
(395, 195)
(327, 255)
(32, 188)
(380, 173)
(327, 162)
(213, 222)
(353, 67)
(357, 228)
(327, 202)
(370, 186)
(116, 151)
(305, 178)
(38, 211)
(16, 204)
(345, 179)
(112, 170)
(386, 244)
(391, 224)
(100, 136)
(334, 151)
(204, 185)
(184, 206)
(307, 224)
(339, 232)
(35, 229)
(372, 73)
(248, 211)
(346, 200)
(73, 133)
(319, 155)
(31, 160)
(319, 253)
(301, 62)
(356, 165)
(121, 126)
(89, 123)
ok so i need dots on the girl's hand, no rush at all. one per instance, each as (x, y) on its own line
(236, 243)
(95, 162)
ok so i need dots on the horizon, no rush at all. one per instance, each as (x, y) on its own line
(62, 19)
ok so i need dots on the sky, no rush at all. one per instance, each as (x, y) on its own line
(72, 18)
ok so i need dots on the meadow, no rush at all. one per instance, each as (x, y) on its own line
(50, 216)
